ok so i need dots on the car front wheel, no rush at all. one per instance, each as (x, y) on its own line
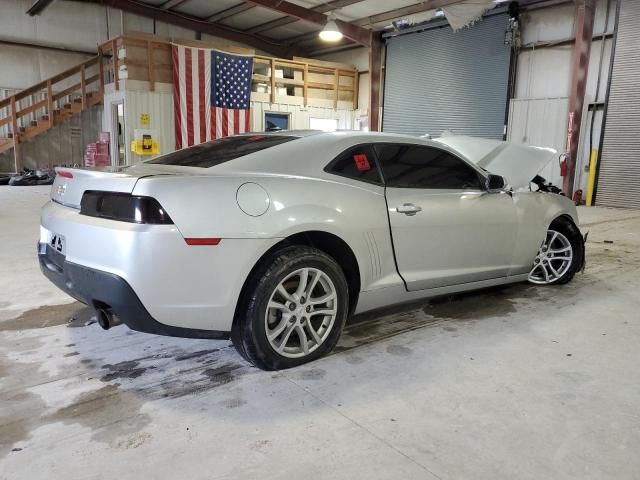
(560, 256)
(293, 310)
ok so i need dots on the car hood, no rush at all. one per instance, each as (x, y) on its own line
(519, 164)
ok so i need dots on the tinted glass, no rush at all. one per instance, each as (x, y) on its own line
(357, 163)
(214, 153)
(425, 167)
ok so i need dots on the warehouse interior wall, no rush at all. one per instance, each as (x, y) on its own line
(76, 27)
(32, 49)
(538, 113)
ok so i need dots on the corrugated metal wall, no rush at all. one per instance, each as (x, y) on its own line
(619, 178)
(439, 80)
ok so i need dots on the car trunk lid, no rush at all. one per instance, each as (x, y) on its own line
(519, 164)
(71, 183)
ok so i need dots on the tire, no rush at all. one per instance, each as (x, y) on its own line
(265, 316)
(563, 240)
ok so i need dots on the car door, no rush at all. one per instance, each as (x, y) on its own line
(446, 228)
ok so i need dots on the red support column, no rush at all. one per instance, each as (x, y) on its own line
(585, 10)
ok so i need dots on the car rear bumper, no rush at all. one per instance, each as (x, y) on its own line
(178, 285)
(108, 291)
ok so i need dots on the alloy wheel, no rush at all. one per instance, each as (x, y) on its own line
(553, 259)
(301, 312)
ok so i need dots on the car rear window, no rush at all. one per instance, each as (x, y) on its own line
(222, 150)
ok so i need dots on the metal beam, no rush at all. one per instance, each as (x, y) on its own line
(38, 7)
(375, 74)
(201, 25)
(279, 22)
(403, 12)
(230, 12)
(585, 13)
(172, 3)
(47, 47)
(353, 32)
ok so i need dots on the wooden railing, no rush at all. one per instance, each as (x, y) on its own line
(40, 107)
(306, 79)
(148, 58)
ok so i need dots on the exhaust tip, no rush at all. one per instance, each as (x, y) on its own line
(105, 318)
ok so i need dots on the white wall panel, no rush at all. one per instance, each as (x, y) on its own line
(544, 73)
(137, 100)
(359, 57)
(22, 66)
(558, 22)
(540, 122)
(67, 24)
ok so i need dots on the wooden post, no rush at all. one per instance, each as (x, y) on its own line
(150, 65)
(114, 63)
(336, 85)
(83, 87)
(16, 136)
(101, 71)
(306, 83)
(50, 103)
(273, 80)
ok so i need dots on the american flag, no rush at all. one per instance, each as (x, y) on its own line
(211, 94)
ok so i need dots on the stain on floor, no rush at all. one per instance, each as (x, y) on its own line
(127, 369)
(49, 316)
(109, 412)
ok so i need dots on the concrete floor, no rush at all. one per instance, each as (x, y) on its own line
(516, 382)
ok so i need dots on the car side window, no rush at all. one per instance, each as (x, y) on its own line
(415, 166)
(357, 163)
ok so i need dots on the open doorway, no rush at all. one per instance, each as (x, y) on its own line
(118, 129)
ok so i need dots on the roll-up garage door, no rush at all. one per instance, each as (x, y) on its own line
(438, 80)
(619, 177)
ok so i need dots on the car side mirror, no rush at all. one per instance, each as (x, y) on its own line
(496, 183)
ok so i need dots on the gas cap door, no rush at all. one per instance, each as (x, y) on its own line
(252, 199)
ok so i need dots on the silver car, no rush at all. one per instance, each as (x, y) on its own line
(274, 240)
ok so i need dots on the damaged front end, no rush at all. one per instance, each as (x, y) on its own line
(519, 164)
(543, 186)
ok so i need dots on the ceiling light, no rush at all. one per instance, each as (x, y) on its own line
(331, 32)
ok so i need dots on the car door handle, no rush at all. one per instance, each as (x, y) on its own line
(408, 209)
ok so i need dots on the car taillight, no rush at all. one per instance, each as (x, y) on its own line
(123, 207)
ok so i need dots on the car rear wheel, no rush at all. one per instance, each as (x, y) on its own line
(560, 256)
(293, 310)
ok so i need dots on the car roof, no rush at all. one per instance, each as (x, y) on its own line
(336, 134)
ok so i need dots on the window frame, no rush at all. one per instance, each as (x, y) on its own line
(328, 166)
(482, 177)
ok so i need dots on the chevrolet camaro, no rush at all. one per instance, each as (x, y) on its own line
(274, 240)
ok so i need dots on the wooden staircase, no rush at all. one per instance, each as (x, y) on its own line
(40, 107)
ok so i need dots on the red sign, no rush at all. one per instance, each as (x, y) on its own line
(362, 164)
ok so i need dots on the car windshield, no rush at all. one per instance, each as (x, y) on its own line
(219, 151)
